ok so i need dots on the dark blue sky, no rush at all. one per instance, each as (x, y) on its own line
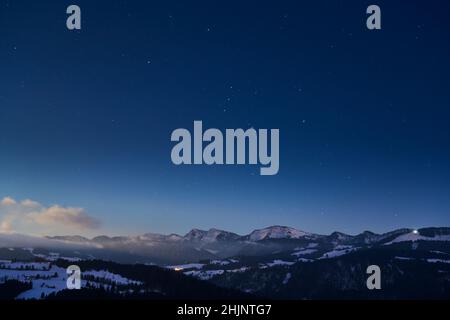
(364, 116)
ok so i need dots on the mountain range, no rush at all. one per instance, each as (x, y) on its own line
(199, 245)
(275, 262)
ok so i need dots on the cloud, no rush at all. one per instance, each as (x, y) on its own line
(6, 226)
(7, 201)
(30, 203)
(75, 217)
(28, 215)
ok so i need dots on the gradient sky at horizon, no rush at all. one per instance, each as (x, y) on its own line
(364, 116)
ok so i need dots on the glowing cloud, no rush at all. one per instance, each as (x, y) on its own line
(32, 215)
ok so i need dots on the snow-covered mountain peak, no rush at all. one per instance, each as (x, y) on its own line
(220, 235)
(210, 236)
(195, 234)
(277, 232)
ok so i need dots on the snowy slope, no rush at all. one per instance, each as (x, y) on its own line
(277, 232)
(416, 236)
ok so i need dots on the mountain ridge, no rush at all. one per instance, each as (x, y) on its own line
(271, 232)
(216, 244)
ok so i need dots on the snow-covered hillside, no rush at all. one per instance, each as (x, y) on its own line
(277, 232)
(47, 278)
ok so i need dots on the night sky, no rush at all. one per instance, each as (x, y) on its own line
(364, 116)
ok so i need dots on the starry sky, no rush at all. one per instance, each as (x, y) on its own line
(86, 116)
